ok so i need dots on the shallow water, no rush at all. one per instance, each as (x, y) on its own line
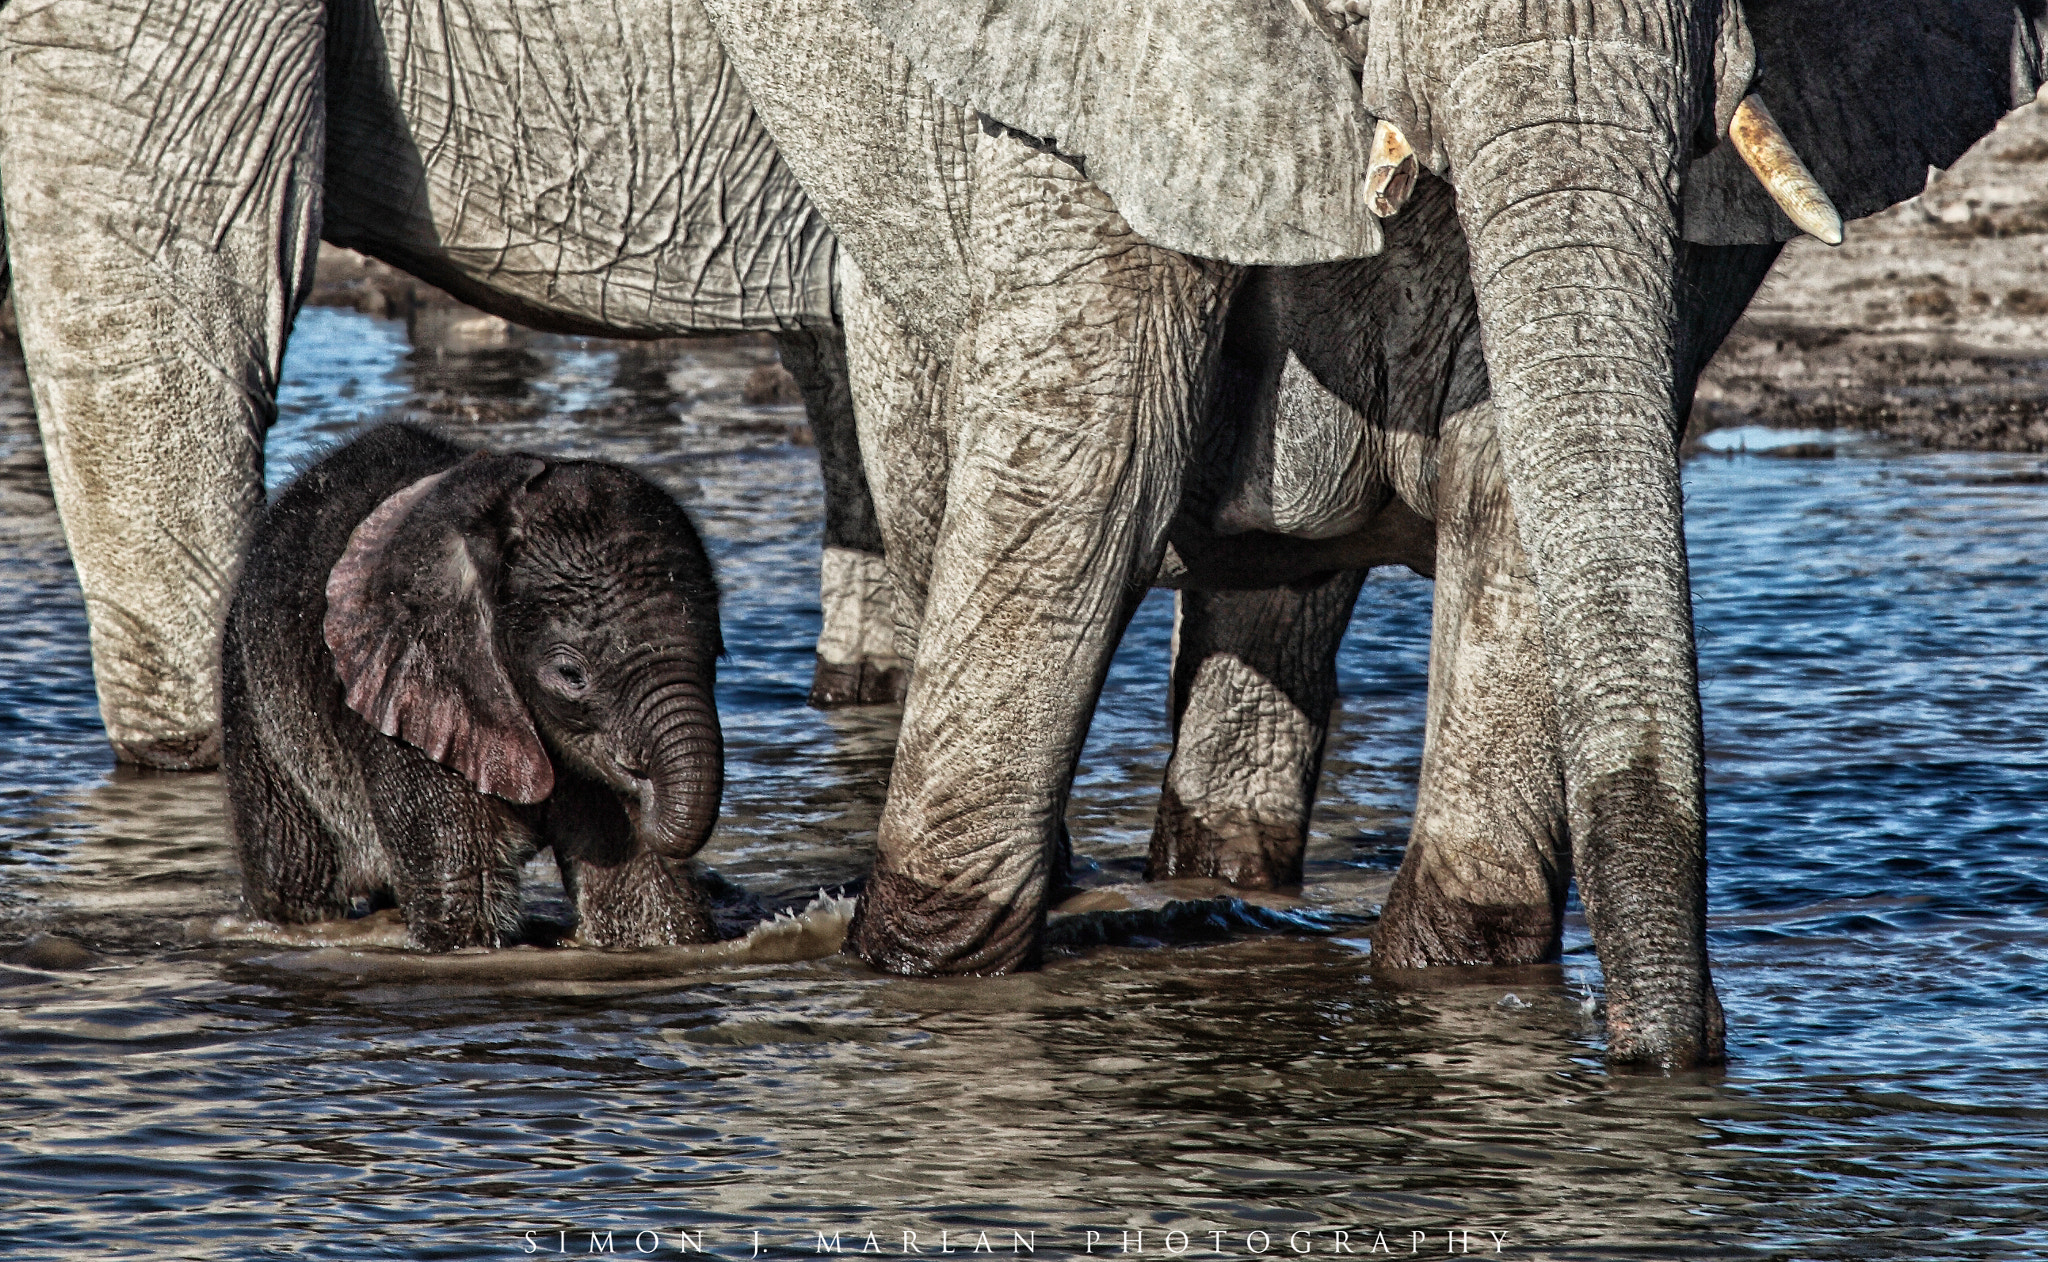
(1873, 629)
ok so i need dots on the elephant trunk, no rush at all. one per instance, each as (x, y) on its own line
(1567, 154)
(684, 754)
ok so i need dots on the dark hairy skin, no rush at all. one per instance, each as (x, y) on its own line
(438, 661)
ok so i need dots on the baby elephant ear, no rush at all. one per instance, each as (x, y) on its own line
(410, 608)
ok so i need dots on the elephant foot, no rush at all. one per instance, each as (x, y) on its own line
(455, 916)
(1425, 925)
(857, 661)
(1228, 846)
(904, 926)
(1689, 1032)
(640, 903)
(182, 751)
(863, 682)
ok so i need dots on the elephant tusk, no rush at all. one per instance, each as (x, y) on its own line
(1778, 168)
(1391, 171)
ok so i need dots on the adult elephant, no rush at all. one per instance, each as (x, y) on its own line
(1049, 204)
(1351, 425)
(170, 170)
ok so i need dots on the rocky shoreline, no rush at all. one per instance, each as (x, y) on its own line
(1929, 324)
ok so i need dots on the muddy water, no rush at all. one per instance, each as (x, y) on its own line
(1874, 644)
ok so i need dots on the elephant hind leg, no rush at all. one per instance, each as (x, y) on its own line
(1254, 680)
(291, 863)
(159, 255)
(1488, 861)
(857, 659)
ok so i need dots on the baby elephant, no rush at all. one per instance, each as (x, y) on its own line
(438, 661)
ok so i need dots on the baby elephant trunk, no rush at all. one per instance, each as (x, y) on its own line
(685, 764)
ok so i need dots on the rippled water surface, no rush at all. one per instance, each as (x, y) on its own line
(1873, 637)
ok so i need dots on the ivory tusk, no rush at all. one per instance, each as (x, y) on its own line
(1764, 147)
(1390, 173)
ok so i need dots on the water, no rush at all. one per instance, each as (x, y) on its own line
(1873, 629)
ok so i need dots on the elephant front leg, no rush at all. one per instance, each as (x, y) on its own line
(1488, 861)
(454, 854)
(162, 200)
(1254, 680)
(1070, 421)
(857, 659)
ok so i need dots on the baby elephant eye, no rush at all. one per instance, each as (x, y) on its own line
(567, 675)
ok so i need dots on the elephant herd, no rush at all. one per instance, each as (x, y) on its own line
(1241, 299)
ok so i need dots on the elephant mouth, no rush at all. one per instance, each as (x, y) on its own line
(636, 794)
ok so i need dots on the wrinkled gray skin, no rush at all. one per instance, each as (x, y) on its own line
(857, 659)
(1051, 261)
(437, 662)
(1034, 331)
(1407, 420)
(169, 170)
(164, 306)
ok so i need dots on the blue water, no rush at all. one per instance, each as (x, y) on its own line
(1873, 634)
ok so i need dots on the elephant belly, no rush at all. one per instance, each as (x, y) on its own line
(1313, 487)
(1303, 471)
(592, 169)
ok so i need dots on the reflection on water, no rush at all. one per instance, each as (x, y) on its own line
(1873, 630)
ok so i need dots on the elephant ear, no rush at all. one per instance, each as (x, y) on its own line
(1230, 131)
(1871, 93)
(410, 613)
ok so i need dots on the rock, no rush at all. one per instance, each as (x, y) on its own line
(771, 383)
(49, 952)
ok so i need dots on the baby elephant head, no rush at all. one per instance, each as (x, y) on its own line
(514, 617)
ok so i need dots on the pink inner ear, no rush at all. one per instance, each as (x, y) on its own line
(413, 645)
(348, 583)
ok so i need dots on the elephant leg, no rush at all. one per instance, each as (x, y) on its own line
(625, 896)
(162, 198)
(1071, 413)
(1254, 681)
(454, 854)
(857, 659)
(291, 865)
(636, 901)
(1489, 857)
(899, 385)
